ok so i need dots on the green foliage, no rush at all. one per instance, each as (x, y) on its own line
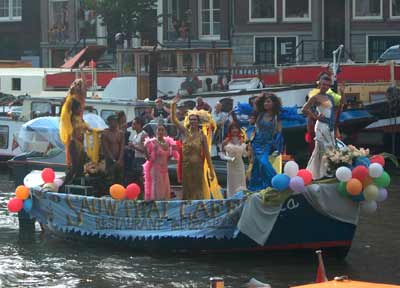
(390, 157)
(127, 16)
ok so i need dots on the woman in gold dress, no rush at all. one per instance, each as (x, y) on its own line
(195, 150)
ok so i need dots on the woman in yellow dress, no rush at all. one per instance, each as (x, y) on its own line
(195, 151)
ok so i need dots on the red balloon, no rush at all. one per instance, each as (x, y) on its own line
(132, 191)
(306, 175)
(360, 172)
(378, 159)
(15, 205)
(48, 175)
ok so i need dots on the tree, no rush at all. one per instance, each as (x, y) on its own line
(126, 16)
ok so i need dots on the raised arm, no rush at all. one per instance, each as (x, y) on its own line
(83, 76)
(173, 115)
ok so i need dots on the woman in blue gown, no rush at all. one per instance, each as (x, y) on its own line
(266, 140)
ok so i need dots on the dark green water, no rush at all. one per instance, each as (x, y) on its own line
(43, 261)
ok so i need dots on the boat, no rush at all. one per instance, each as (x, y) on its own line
(299, 222)
(345, 282)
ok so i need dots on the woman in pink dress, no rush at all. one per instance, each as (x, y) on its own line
(158, 150)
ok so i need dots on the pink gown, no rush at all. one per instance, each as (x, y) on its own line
(155, 170)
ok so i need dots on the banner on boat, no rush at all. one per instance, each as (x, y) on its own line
(132, 219)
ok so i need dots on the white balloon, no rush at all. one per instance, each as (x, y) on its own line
(33, 180)
(343, 174)
(369, 206)
(291, 169)
(375, 170)
(382, 195)
(58, 182)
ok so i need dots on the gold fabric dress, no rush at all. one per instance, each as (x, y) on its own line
(192, 168)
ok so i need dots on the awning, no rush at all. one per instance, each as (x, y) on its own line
(87, 54)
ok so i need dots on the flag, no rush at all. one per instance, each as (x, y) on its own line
(321, 274)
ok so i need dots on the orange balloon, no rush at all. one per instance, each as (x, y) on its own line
(117, 191)
(354, 187)
(22, 192)
(367, 181)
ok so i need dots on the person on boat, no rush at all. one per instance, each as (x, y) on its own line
(158, 151)
(234, 146)
(266, 139)
(202, 105)
(194, 151)
(310, 121)
(112, 141)
(324, 118)
(74, 130)
(160, 111)
(136, 144)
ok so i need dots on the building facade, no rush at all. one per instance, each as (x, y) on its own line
(67, 26)
(278, 32)
(20, 30)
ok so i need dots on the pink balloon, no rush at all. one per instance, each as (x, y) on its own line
(48, 175)
(132, 191)
(15, 205)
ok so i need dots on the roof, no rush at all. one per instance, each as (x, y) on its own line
(87, 54)
(347, 284)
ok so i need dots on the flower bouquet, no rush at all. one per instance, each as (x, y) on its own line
(349, 156)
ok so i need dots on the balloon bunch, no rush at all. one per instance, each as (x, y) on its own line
(294, 178)
(21, 200)
(119, 192)
(365, 183)
(47, 180)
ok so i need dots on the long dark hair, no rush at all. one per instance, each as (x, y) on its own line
(276, 101)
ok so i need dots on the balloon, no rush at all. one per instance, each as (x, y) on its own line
(382, 195)
(48, 175)
(369, 206)
(28, 205)
(375, 170)
(383, 181)
(367, 181)
(132, 191)
(15, 205)
(354, 186)
(280, 182)
(341, 188)
(371, 192)
(297, 184)
(291, 168)
(51, 187)
(358, 198)
(22, 192)
(33, 180)
(343, 174)
(117, 191)
(362, 160)
(306, 175)
(360, 172)
(378, 159)
(58, 182)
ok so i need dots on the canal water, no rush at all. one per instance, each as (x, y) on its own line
(42, 261)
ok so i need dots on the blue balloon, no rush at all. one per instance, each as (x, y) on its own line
(28, 205)
(280, 182)
(357, 198)
(362, 160)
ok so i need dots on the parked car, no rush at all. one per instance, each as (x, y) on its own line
(392, 53)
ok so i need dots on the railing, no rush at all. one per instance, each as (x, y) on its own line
(319, 49)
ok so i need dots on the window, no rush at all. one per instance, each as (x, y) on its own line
(367, 9)
(297, 10)
(40, 109)
(107, 113)
(376, 45)
(395, 9)
(210, 19)
(4, 137)
(16, 84)
(10, 10)
(275, 50)
(262, 10)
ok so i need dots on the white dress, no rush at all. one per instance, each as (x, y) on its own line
(236, 176)
(324, 139)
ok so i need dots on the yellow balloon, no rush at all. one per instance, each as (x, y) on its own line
(117, 191)
(22, 192)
